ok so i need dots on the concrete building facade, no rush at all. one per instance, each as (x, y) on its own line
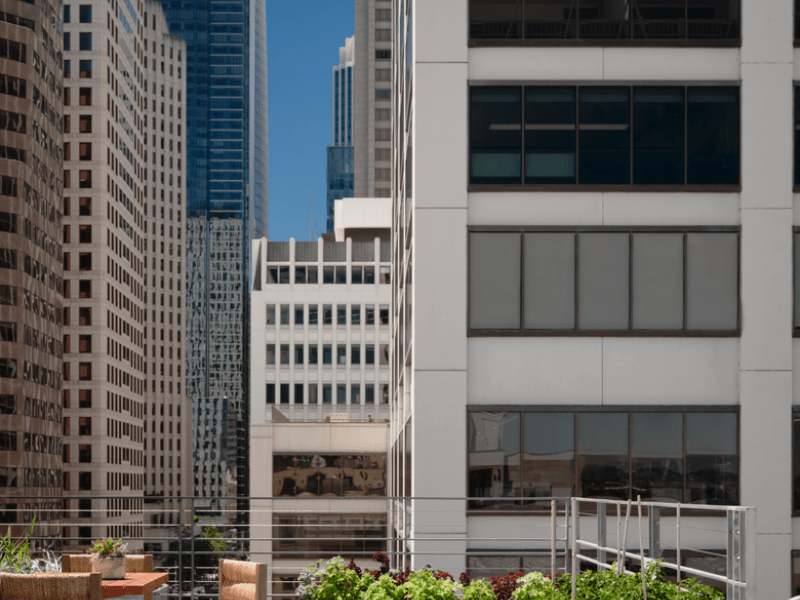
(124, 207)
(666, 135)
(31, 186)
(372, 99)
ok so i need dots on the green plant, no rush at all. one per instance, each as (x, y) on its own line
(196, 519)
(478, 590)
(215, 541)
(15, 555)
(424, 585)
(534, 586)
(109, 547)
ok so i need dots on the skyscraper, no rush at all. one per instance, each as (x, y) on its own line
(30, 261)
(227, 204)
(124, 201)
(340, 153)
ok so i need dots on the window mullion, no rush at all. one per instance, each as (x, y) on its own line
(630, 132)
(685, 295)
(577, 136)
(577, 268)
(522, 281)
(630, 281)
(522, 136)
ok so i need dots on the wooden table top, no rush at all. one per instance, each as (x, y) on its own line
(133, 583)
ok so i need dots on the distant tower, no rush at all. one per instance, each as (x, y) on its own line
(340, 154)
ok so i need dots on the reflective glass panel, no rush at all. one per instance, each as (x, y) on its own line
(658, 135)
(549, 135)
(603, 280)
(657, 456)
(657, 280)
(602, 441)
(604, 137)
(495, 134)
(712, 461)
(494, 459)
(549, 454)
(549, 280)
(712, 125)
(494, 280)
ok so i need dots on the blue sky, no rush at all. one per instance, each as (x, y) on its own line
(303, 40)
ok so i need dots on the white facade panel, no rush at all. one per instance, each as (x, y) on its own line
(677, 64)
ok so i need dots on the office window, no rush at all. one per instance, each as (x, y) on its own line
(299, 274)
(327, 354)
(284, 354)
(85, 124)
(313, 314)
(355, 314)
(84, 398)
(85, 484)
(313, 276)
(341, 275)
(369, 393)
(85, 67)
(270, 393)
(356, 275)
(386, 275)
(84, 179)
(626, 282)
(660, 23)
(355, 393)
(327, 314)
(85, 207)
(341, 354)
(67, 47)
(355, 354)
(384, 315)
(669, 456)
(384, 355)
(85, 40)
(285, 314)
(270, 315)
(85, 426)
(369, 354)
(341, 314)
(284, 393)
(327, 274)
(369, 275)
(85, 288)
(327, 393)
(298, 314)
(85, 151)
(341, 393)
(328, 475)
(298, 354)
(67, 13)
(85, 453)
(283, 276)
(605, 135)
(270, 354)
(85, 13)
(272, 274)
(313, 393)
(298, 393)
(84, 344)
(313, 354)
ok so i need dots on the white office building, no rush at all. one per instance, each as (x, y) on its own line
(595, 230)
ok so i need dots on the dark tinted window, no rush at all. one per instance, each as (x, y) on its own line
(495, 134)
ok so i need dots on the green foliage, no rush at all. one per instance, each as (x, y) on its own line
(478, 590)
(422, 585)
(215, 541)
(337, 581)
(108, 547)
(15, 555)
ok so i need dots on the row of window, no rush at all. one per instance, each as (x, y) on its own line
(660, 455)
(698, 21)
(295, 354)
(301, 393)
(604, 135)
(314, 536)
(609, 280)
(310, 274)
(285, 312)
(30, 407)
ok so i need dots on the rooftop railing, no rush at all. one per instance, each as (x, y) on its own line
(552, 535)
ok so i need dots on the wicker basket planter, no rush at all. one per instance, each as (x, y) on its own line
(110, 567)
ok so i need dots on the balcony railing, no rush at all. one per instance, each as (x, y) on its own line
(555, 535)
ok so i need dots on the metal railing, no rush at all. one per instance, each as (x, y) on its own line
(551, 535)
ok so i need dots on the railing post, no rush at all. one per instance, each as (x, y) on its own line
(191, 539)
(601, 533)
(678, 544)
(749, 552)
(574, 545)
(654, 525)
(180, 545)
(729, 551)
(552, 539)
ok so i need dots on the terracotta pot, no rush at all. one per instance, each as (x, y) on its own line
(110, 567)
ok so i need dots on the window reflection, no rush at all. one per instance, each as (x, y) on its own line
(603, 455)
(712, 461)
(549, 457)
(657, 456)
(329, 475)
(300, 535)
(494, 458)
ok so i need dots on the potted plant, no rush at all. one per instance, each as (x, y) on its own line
(108, 558)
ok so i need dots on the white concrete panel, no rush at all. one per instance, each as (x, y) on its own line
(774, 566)
(765, 431)
(536, 370)
(675, 64)
(530, 64)
(440, 280)
(439, 452)
(331, 438)
(767, 33)
(440, 131)
(670, 209)
(766, 289)
(670, 371)
(536, 208)
(440, 31)
(767, 135)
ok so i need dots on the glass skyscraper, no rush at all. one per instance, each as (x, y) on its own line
(340, 154)
(227, 153)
